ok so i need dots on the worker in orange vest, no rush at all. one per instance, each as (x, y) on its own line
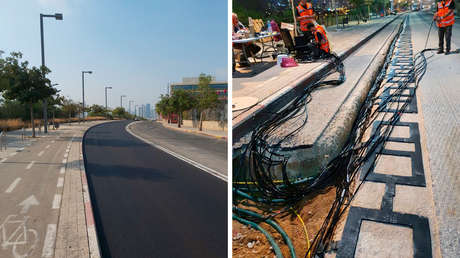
(444, 18)
(322, 43)
(305, 14)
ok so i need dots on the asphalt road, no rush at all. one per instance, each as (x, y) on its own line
(148, 203)
(206, 150)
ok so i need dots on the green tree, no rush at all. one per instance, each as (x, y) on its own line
(54, 103)
(120, 112)
(181, 101)
(26, 85)
(206, 97)
(97, 110)
(163, 107)
(70, 108)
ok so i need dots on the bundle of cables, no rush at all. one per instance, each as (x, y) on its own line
(257, 183)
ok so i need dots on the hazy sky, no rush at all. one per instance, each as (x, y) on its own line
(135, 46)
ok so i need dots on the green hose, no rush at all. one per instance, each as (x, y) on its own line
(270, 239)
(247, 196)
(272, 223)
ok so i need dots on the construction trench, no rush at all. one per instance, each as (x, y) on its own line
(306, 213)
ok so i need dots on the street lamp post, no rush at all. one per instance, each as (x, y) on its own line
(83, 90)
(121, 100)
(106, 96)
(57, 16)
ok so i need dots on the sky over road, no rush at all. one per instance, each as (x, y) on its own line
(136, 46)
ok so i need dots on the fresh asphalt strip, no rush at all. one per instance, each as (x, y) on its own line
(148, 203)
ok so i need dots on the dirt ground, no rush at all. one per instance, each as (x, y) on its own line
(248, 242)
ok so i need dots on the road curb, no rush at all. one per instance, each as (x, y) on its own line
(196, 132)
(289, 92)
(191, 162)
(93, 243)
(93, 240)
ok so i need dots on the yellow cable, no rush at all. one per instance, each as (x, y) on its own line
(250, 183)
(305, 230)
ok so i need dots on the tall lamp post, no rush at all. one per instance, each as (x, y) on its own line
(57, 16)
(121, 100)
(106, 96)
(83, 90)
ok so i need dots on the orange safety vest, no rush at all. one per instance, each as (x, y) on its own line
(306, 15)
(443, 9)
(323, 46)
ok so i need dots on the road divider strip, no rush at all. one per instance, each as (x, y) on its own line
(191, 162)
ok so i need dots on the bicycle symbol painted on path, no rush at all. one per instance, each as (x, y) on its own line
(14, 233)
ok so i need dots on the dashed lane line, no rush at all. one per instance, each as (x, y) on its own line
(47, 146)
(56, 202)
(30, 164)
(2, 160)
(50, 239)
(41, 153)
(60, 182)
(13, 185)
(62, 171)
(64, 161)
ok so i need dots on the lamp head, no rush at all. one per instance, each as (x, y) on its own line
(58, 16)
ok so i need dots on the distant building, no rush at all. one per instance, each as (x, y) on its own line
(147, 111)
(191, 84)
(219, 113)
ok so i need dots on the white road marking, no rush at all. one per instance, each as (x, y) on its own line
(62, 171)
(50, 237)
(67, 150)
(13, 185)
(3, 160)
(64, 161)
(66, 155)
(27, 203)
(12, 154)
(30, 164)
(60, 182)
(56, 201)
(47, 146)
(52, 141)
(191, 162)
(41, 153)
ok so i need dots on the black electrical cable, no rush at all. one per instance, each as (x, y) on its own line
(262, 156)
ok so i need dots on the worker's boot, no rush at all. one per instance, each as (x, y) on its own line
(440, 51)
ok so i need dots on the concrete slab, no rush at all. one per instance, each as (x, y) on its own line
(384, 240)
(394, 165)
(371, 194)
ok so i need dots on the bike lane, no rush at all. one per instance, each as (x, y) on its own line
(32, 184)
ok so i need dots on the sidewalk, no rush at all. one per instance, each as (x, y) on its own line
(409, 200)
(276, 86)
(43, 186)
(221, 134)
